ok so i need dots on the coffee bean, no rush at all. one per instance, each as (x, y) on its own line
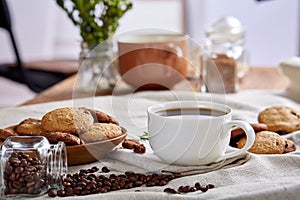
(198, 186)
(17, 184)
(30, 168)
(52, 193)
(177, 175)
(90, 186)
(37, 191)
(150, 184)
(22, 190)
(102, 190)
(23, 162)
(39, 183)
(128, 185)
(163, 182)
(35, 176)
(95, 169)
(61, 193)
(69, 191)
(115, 186)
(83, 171)
(129, 173)
(85, 192)
(170, 190)
(138, 183)
(13, 191)
(65, 184)
(12, 177)
(28, 178)
(148, 178)
(19, 170)
(105, 170)
(9, 169)
(132, 178)
(14, 161)
(81, 183)
(204, 189)
(184, 189)
(30, 190)
(25, 173)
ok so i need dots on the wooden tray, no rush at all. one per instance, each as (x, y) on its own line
(91, 152)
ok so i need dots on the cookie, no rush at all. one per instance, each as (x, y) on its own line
(266, 142)
(69, 120)
(280, 119)
(101, 117)
(30, 127)
(30, 121)
(67, 138)
(290, 146)
(101, 131)
(238, 133)
(7, 132)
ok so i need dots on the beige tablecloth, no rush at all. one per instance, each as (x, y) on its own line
(248, 177)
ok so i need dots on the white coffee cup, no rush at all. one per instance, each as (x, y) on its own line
(193, 132)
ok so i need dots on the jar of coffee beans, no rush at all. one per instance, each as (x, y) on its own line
(30, 166)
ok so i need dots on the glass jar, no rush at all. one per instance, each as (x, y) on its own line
(98, 69)
(229, 32)
(30, 166)
(219, 70)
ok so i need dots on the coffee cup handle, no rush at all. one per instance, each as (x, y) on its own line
(250, 134)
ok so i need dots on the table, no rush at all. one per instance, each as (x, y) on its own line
(260, 177)
(257, 78)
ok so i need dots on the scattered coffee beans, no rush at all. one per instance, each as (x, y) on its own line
(187, 188)
(86, 182)
(24, 174)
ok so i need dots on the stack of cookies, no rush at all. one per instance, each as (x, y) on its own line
(74, 126)
(274, 122)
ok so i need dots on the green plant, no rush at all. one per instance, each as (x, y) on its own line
(98, 19)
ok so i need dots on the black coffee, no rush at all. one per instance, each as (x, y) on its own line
(190, 112)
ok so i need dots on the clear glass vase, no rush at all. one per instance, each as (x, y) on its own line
(98, 68)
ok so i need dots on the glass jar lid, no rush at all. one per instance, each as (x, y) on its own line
(225, 28)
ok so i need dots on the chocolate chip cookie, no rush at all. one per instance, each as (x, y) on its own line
(30, 127)
(266, 142)
(7, 132)
(290, 146)
(67, 138)
(101, 117)
(280, 119)
(238, 133)
(69, 120)
(101, 131)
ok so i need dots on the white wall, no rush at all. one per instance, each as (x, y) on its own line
(272, 26)
(44, 32)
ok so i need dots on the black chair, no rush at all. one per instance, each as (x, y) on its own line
(36, 80)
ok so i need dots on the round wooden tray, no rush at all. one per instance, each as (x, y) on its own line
(91, 152)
